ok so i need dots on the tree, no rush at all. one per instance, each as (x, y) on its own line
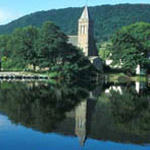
(50, 45)
(23, 45)
(59, 56)
(46, 47)
(131, 46)
(73, 64)
(4, 51)
(104, 51)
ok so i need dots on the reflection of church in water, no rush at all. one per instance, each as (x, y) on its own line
(78, 121)
(81, 121)
(92, 118)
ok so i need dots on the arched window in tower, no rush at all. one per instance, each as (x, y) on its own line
(81, 29)
(85, 30)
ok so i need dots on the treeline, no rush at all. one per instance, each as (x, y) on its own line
(107, 19)
(128, 48)
(43, 48)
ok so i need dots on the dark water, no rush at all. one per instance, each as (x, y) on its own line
(43, 116)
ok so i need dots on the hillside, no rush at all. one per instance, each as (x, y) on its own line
(107, 18)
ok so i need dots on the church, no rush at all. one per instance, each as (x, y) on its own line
(85, 39)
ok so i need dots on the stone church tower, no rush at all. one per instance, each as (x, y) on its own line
(85, 34)
(85, 39)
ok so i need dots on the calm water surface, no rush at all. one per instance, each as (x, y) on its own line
(43, 116)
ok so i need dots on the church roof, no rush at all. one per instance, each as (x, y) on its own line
(73, 39)
(85, 13)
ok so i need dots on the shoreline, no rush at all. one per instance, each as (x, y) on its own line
(22, 75)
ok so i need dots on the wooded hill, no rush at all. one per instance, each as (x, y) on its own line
(107, 19)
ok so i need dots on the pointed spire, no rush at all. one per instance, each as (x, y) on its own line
(82, 140)
(85, 14)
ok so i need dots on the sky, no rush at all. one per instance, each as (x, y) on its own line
(13, 9)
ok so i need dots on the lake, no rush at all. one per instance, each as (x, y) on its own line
(47, 116)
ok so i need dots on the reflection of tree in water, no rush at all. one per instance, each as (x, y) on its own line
(131, 111)
(121, 116)
(40, 107)
(69, 109)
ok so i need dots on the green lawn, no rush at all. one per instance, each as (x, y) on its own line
(121, 77)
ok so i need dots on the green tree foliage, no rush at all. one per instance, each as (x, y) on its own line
(104, 51)
(46, 48)
(51, 44)
(23, 45)
(107, 19)
(73, 63)
(55, 53)
(4, 50)
(131, 46)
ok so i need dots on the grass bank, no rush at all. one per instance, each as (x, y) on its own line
(121, 77)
